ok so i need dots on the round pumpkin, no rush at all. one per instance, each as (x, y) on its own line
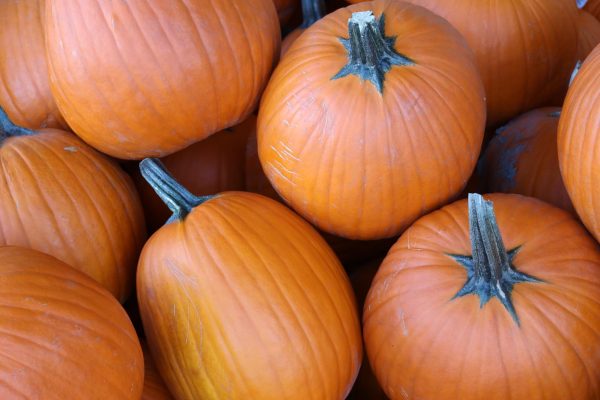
(24, 87)
(63, 198)
(593, 7)
(589, 34)
(63, 336)
(362, 146)
(578, 155)
(523, 158)
(213, 165)
(488, 301)
(525, 49)
(312, 11)
(139, 78)
(154, 385)
(242, 299)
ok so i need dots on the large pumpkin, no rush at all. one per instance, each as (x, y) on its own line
(525, 49)
(154, 385)
(137, 78)
(578, 132)
(61, 197)
(589, 34)
(24, 86)
(362, 146)
(523, 158)
(242, 299)
(474, 305)
(213, 165)
(63, 336)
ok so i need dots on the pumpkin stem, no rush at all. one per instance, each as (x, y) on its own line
(490, 271)
(312, 11)
(370, 53)
(9, 129)
(172, 193)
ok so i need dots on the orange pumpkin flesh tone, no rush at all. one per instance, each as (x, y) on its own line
(213, 165)
(61, 197)
(312, 11)
(578, 154)
(63, 336)
(24, 86)
(147, 78)
(589, 34)
(525, 49)
(488, 302)
(523, 158)
(362, 147)
(242, 299)
(154, 385)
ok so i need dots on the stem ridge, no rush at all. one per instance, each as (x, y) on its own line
(9, 129)
(312, 11)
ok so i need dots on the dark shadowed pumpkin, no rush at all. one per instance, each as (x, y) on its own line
(373, 117)
(241, 298)
(525, 49)
(63, 335)
(154, 385)
(312, 11)
(480, 301)
(141, 78)
(61, 197)
(213, 165)
(593, 7)
(589, 34)
(24, 87)
(523, 158)
(285, 9)
(578, 153)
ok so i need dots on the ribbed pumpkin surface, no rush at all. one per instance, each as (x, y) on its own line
(62, 335)
(154, 385)
(589, 34)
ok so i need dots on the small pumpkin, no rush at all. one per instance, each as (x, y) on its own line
(24, 87)
(213, 165)
(589, 34)
(525, 49)
(240, 298)
(578, 154)
(488, 301)
(312, 11)
(523, 158)
(61, 197)
(139, 78)
(154, 385)
(361, 146)
(63, 336)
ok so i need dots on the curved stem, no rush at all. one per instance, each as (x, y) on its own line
(312, 11)
(9, 129)
(172, 193)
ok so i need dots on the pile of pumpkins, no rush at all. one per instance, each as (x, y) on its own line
(193, 208)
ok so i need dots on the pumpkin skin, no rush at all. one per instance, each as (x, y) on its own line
(24, 86)
(285, 9)
(525, 61)
(523, 158)
(593, 7)
(213, 165)
(342, 145)
(415, 327)
(139, 78)
(225, 318)
(154, 385)
(61, 197)
(578, 129)
(63, 336)
(589, 34)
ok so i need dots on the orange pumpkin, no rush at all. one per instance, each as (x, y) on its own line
(578, 130)
(285, 9)
(488, 302)
(312, 11)
(523, 158)
(141, 78)
(361, 147)
(589, 34)
(525, 49)
(213, 165)
(240, 298)
(63, 336)
(61, 197)
(154, 385)
(593, 7)
(24, 86)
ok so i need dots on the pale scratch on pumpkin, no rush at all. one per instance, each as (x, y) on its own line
(403, 322)
(404, 394)
(71, 149)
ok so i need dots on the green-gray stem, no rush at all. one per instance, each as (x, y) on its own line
(179, 200)
(9, 129)
(312, 11)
